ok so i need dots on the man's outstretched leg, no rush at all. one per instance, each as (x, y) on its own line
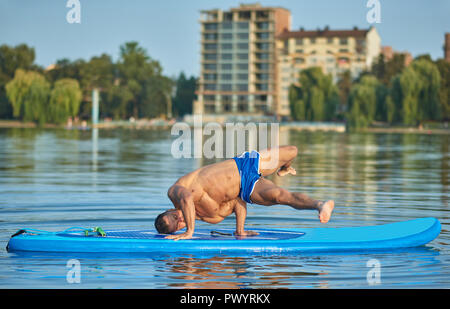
(267, 193)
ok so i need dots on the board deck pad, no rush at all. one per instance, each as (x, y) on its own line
(390, 236)
(200, 234)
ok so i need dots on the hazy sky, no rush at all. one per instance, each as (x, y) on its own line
(170, 32)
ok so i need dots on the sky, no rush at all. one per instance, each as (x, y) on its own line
(170, 30)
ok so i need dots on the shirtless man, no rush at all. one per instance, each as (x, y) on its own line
(215, 191)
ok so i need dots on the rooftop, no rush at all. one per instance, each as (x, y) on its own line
(326, 32)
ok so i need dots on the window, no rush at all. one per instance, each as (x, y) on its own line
(242, 76)
(226, 66)
(243, 36)
(262, 26)
(226, 76)
(210, 67)
(210, 26)
(299, 41)
(227, 36)
(210, 56)
(262, 56)
(210, 77)
(210, 36)
(242, 25)
(226, 87)
(227, 25)
(262, 76)
(262, 66)
(242, 87)
(242, 45)
(262, 36)
(312, 41)
(343, 41)
(242, 56)
(210, 87)
(210, 46)
(263, 87)
(263, 46)
(227, 46)
(227, 56)
(330, 40)
(242, 66)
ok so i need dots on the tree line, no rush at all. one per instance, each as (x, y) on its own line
(132, 86)
(390, 92)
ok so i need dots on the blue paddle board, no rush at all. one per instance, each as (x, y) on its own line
(380, 237)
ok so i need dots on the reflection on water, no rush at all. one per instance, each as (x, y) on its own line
(55, 179)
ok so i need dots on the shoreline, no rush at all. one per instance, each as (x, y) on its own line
(159, 124)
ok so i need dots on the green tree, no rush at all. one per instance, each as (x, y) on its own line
(65, 99)
(316, 98)
(11, 59)
(384, 70)
(444, 95)
(344, 85)
(362, 102)
(28, 93)
(184, 95)
(429, 106)
(404, 92)
(142, 77)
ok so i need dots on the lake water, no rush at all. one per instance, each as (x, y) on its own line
(118, 179)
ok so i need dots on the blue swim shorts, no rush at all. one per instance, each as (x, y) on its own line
(248, 166)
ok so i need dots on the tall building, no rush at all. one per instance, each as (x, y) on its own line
(447, 47)
(335, 51)
(238, 59)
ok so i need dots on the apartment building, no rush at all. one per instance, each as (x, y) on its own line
(239, 59)
(335, 51)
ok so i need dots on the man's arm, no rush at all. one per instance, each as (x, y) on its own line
(182, 199)
(240, 210)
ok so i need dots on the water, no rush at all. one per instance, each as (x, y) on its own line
(55, 179)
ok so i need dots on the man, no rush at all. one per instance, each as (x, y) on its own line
(215, 191)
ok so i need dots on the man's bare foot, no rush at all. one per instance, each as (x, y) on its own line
(325, 210)
(284, 171)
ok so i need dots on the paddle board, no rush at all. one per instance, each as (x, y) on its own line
(390, 236)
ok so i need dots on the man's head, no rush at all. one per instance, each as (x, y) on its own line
(170, 221)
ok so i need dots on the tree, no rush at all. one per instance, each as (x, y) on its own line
(362, 102)
(28, 92)
(429, 107)
(184, 95)
(316, 98)
(404, 94)
(142, 77)
(344, 85)
(65, 99)
(384, 70)
(444, 95)
(11, 59)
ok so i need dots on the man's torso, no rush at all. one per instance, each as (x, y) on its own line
(215, 190)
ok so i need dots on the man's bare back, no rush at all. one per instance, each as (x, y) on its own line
(212, 193)
(214, 189)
